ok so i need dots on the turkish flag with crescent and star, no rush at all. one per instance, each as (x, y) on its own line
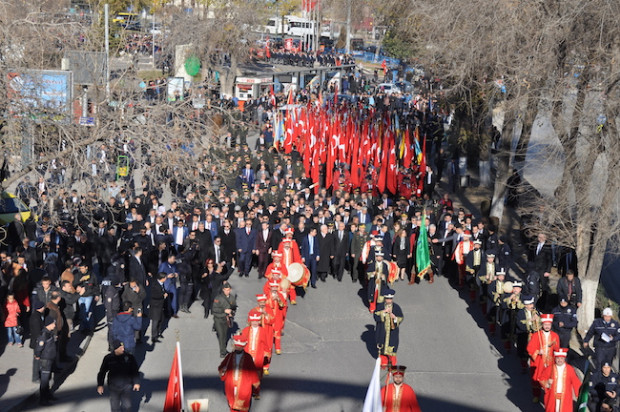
(174, 393)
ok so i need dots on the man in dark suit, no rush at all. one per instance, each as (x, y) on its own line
(540, 255)
(310, 254)
(429, 182)
(263, 247)
(205, 243)
(341, 247)
(228, 244)
(246, 240)
(156, 306)
(326, 252)
(137, 271)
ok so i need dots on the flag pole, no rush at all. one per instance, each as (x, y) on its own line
(181, 376)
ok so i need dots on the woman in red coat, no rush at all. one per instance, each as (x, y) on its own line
(11, 314)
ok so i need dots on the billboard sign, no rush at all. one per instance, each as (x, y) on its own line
(40, 94)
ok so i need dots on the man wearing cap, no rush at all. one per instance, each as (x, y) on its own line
(223, 309)
(45, 353)
(603, 388)
(377, 281)
(289, 247)
(123, 377)
(540, 348)
(495, 292)
(527, 322)
(560, 383)
(281, 272)
(267, 318)
(258, 346)
(398, 396)
(606, 332)
(485, 276)
(460, 255)
(240, 377)
(388, 317)
(564, 321)
(276, 307)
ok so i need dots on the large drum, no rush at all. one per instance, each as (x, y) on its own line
(298, 274)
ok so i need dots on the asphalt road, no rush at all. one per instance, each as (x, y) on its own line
(328, 356)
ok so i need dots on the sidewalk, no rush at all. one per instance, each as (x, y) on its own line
(16, 386)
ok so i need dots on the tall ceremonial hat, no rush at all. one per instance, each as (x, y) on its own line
(546, 317)
(379, 253)
(274, 284)
(289, 231)
(389, 294)
(239, 340)
(561, 353)
(478, 242)
(261, 298)
(254, 315)
(467, 233)
(501, 272)
(398, 370)
(276, 254)
(527, 300)
(517, 284)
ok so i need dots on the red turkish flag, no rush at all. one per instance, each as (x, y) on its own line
(174, 393)
(392, 183)
(407, 153)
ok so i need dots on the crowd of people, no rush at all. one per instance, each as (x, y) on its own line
(141, 258)
(307, 59)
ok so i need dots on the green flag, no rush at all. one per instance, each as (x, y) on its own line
(422, 254)
(584, 392)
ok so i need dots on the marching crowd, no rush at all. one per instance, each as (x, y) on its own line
(145, 259)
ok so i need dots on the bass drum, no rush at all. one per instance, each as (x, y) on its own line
(295, 273)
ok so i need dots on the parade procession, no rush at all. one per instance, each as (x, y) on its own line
(310, 205)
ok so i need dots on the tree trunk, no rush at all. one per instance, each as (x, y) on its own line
(503, 169)
(585, 314)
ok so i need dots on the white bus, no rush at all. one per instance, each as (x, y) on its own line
(298, 26)
(277, 26)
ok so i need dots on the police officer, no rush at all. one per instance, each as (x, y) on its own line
(606, 332)
(564, 320)
(603, 388)
(223, 309)
(45, 353)
(123, 377)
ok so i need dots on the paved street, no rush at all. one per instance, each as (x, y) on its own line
(327, 356)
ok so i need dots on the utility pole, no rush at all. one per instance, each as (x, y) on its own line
(348, 43)
(106, 9)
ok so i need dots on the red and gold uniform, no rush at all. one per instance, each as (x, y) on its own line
(460, 255)
(398, 396)
(560, 383)
(276, 304)
(540, 348)
(240, 377)
(279, 264)
(258, 341)
(266, 322)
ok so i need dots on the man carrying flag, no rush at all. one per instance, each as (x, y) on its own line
(422, 255)
(398, 396)
(174, 394)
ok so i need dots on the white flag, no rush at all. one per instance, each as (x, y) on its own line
(372, 403)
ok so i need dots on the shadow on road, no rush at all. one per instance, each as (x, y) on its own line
(368, 336)
(283, 389)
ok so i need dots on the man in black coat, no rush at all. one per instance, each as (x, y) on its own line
(341, 247)
(228, 244)
(326, 252)
(123, 377)
(137, 270)
(156, 306)
(540, 256)
(36, 326)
